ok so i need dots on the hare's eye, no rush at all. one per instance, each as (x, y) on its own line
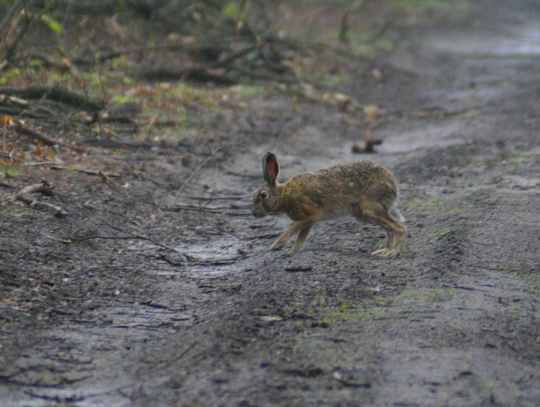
(264, 194)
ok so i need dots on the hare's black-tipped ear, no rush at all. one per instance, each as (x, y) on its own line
(270, 168)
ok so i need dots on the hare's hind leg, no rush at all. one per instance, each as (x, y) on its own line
(391, 222)
(396, 236)
(400, 234)
(396, 214)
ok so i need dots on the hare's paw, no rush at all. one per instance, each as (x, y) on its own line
(385, 252)
(278, 244)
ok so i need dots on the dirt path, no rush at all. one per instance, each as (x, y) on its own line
(453, 321)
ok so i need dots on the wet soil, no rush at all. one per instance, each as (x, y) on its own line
(159, 288)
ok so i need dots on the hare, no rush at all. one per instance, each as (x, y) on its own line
(363, 189)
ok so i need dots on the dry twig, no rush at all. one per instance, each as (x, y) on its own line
(42, 188)
(28, 132)
(10, 48)
(196, 170)
(55, 93)
(85, 171)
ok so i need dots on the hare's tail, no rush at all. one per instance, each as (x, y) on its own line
(396, 214)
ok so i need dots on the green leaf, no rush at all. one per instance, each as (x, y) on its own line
(230, 10)
(51, 23)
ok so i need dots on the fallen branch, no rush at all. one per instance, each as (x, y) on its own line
(212, 209)
(196, 170)
(41, 188)
(264, 76)
(12, 99)
(34, 203)
(5, 185)
(342, 101)
(197, 74)
(217, 198)
(201, 73)
(233, 56)
(178, 208)
(10, 49)
(9, 14)
(57, 239)
(85, 171)
(107, 143)
(102, 56)
(56, 94)
(28, 132)
(64, 65)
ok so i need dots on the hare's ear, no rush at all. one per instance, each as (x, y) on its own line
(270, 168)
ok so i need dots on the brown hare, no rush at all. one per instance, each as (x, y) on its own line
(363, 189)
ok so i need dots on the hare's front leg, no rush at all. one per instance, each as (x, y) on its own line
(303, 226)
(284, 237)
(301, 238)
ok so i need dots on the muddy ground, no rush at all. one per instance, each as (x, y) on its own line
(158, 287)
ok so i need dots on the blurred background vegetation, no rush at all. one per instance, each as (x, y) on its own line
(91, 67)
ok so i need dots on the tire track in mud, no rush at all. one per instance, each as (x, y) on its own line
(349, 327)
(426, 329)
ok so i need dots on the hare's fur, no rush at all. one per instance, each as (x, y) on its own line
(363, 189)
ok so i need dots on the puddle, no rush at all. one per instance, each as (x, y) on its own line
(146, 317)
(213, 250)
(519, 41)
(510, 62)
(86, 375)
(443, 135)
(472, 95)
(398, 143)
(120, 320)
(214, 257)
(517, 182)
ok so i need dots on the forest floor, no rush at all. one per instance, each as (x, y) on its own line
(158, 286)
